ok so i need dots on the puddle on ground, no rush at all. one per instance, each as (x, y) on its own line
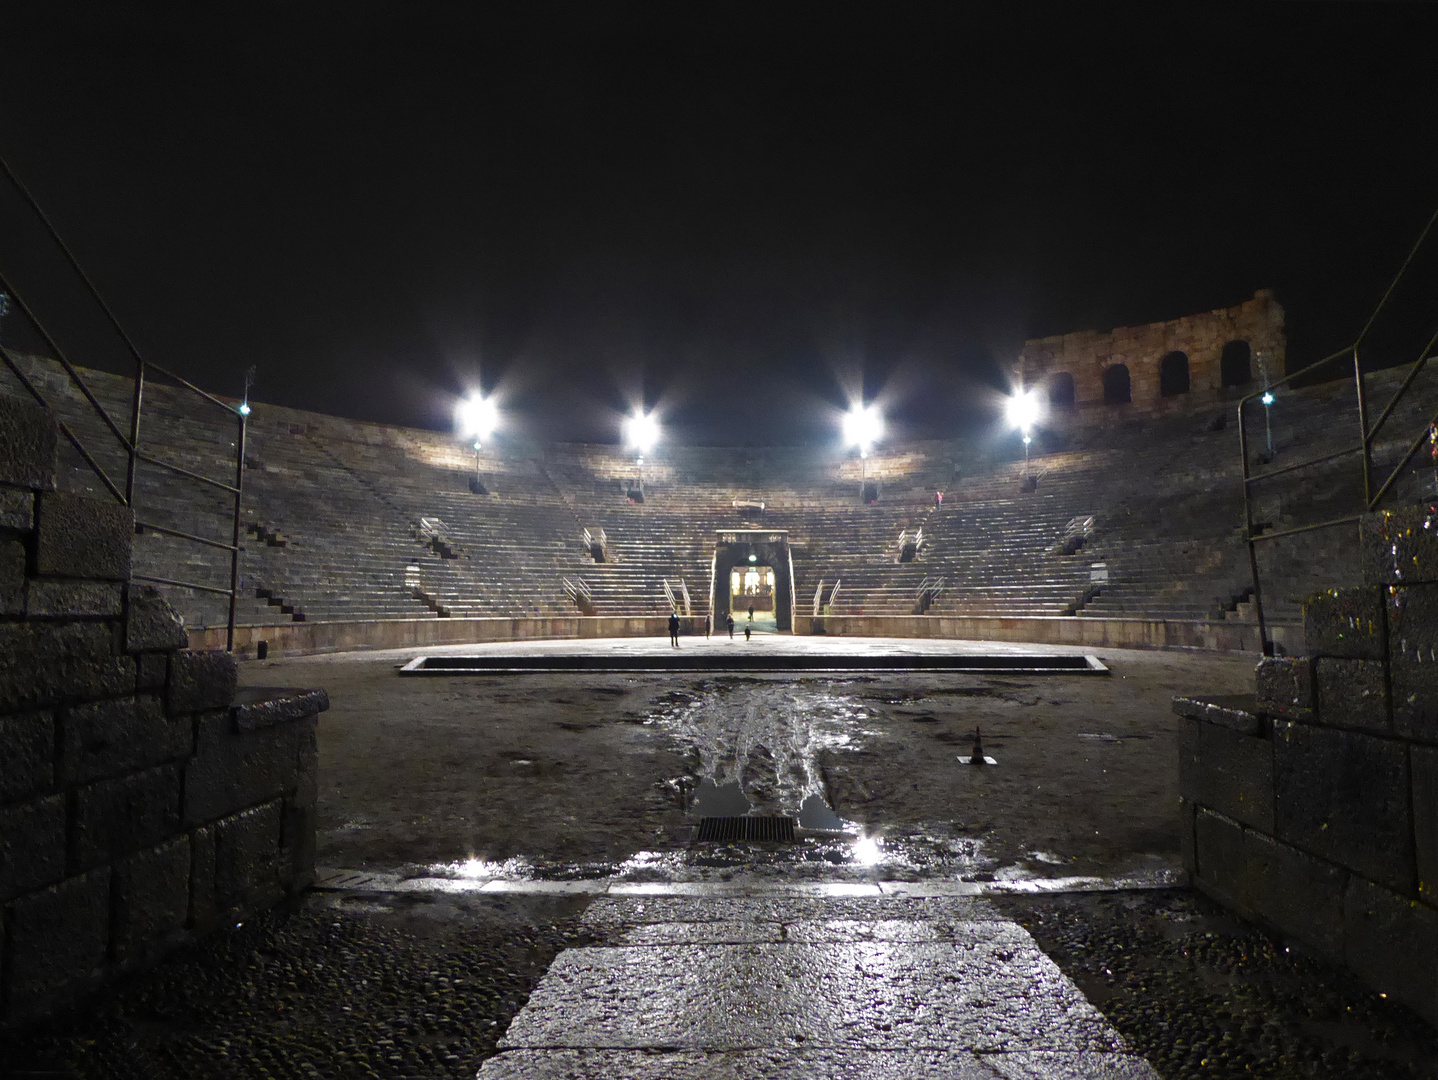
(719, 800)
(765, 740)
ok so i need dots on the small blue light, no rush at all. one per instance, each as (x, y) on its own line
(244, 408)
(1267, 398)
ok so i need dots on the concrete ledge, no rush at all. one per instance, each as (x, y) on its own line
(302, 639)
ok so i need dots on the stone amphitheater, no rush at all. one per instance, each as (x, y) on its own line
(1129, 530)
(1148, 800)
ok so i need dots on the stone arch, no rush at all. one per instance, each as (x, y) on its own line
(1235, 366)
(1061, 390)
(1117, 389)
(1173, 374)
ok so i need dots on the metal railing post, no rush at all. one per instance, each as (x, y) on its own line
(1264, 644)
(235, 554)
(135, 404)
(1363, 431)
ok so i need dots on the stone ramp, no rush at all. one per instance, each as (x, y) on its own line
(691, 987)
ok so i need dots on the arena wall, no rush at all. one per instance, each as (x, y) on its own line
(1313, 806)
(142, 801)
(1086, 355)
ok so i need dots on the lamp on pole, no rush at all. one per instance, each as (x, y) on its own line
(1267, 400)
(244, 409)
(1024, 411)
(863, 427)
(641, 432)
(477, 418)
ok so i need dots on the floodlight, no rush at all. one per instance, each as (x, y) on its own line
(1267, 398)
(1024, 410)
(863, 426)
(244, 409)
(641, 431)
(477, 417)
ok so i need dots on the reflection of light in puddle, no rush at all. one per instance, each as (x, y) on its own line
(767, 738)
(868, 851)
(473, 869)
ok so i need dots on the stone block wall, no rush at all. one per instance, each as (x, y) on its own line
(1085, 355)
(1312, 806)
(142, 800)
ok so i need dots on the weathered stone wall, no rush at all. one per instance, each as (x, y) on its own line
(141, 799)
(1313, 806)
(1086, 354)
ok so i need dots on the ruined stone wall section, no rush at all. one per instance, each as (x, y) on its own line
(1313, 807)
(141, 800)
(1087, 354)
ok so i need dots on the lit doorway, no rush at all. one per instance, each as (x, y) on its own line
(751, 598)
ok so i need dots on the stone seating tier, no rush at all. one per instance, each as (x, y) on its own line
(348, 497)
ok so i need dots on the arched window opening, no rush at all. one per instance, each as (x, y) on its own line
(1173, 375)
(1235, 368)
(1061, 390)
(1116, 389)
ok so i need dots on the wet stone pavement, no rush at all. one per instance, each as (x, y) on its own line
(765, 987)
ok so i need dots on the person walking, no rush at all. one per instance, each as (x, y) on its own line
(708, 624)
(748, 629)
(729, 622)
(751, 612)
(674, 628)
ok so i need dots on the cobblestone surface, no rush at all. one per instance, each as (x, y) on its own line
(1202, 995)
(345, 986)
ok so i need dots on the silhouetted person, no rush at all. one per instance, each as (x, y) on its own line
(729, 622)
(751, 612)
(748, 629)
(708, 624)
(674, 628)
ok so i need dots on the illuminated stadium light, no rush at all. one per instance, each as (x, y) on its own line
(863, 427)
(1267, 398)
(244, 409)
(641, 431)
(1024, 410)
(477, 417)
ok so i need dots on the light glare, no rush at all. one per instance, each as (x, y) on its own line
(641, 431)
(863, 426)
(1267, 398)
(1024, 409)
(477, 417)
(867, 851)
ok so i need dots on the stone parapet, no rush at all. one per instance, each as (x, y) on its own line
(1319, 815)
(142, 800)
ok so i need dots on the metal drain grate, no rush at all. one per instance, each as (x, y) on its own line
(728, 829)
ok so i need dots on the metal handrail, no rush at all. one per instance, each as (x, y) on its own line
(129, 444)
(1369, 436)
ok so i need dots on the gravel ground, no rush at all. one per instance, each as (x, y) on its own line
(346, 986)
(1201, 994)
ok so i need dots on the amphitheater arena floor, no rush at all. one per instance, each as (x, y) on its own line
(567, 775)
(525, 898)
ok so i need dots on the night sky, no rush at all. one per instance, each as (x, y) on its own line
(740, 213)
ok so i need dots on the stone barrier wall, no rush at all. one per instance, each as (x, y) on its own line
(1313, 806)
(142, 801)
(1084, 356)
(305, 639)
